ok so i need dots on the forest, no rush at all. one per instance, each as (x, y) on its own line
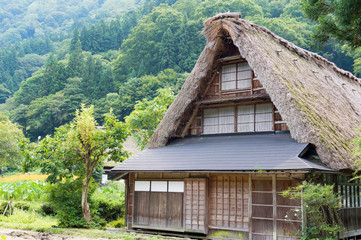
(115, 62)
(67, 64)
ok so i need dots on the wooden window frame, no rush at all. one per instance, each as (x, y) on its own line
(235, 123)
(250, 88)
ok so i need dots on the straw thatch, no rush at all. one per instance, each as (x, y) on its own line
(320, 103)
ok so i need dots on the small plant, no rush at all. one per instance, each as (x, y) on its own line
(119, 223)
(321, 205)
(3, 237)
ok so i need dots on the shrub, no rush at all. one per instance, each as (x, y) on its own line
(47, 209)
(109, 201)
(66, 199)
(119, 223)
(321, 205)
(22, 205)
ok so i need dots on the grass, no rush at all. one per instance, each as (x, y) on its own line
(24, 177)
(26, 220)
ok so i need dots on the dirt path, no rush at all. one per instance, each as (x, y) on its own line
(13, 234)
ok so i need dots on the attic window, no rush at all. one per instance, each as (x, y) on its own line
(236, 76)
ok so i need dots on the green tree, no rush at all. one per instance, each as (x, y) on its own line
(340, 19)
(147, 115)
(77, 148)
(10, 137)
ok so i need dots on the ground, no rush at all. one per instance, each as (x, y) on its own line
(15, 234)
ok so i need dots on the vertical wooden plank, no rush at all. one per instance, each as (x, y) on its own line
(252, 81)
(127, 183)
(198, 187)
(274, 194)
(235, 118)
(236, 75)
(220, 82)
(236, 202)
(250, 205)
(222, 201)
(273, 117)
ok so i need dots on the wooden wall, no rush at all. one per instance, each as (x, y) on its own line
(228, 202)
(245, 203)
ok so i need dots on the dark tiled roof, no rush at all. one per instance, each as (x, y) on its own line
(223, 153)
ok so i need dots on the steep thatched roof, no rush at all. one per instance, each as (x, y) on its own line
(320, 102)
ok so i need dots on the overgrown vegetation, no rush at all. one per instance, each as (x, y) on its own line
(321, 207)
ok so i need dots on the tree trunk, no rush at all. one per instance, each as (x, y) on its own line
(84, 200)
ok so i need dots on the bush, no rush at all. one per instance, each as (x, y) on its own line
(47, 209)
(22, 206)
(109, 201)
(119, 223)
(321, 205)
(66, 199)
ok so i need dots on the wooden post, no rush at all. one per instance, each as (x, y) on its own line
(189, 123)
(274, 193)
(250, 206)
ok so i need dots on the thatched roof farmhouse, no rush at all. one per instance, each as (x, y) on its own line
(320, 102)
(256, 116)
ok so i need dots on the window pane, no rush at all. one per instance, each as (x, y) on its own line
(142, 186)
(242, 84)
(159, 186)
(244, 75)
(228, 77)
(264, 108)
(210, 121)
(264, 117)
(176, 186)
(229, 68)
(243, 66)
(226, 128)
(222, 120)
(210, 129)
(245, 127)
(212, 112)
(247, 109)
(264, 126)
(228, 111)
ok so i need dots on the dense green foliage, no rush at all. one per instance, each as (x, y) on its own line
(112, 62)
(26, 190)
(321, 205)
(340, 19)
(66, 198)
(147, 115)
(10, 138)
(24, 19)
(76, 149)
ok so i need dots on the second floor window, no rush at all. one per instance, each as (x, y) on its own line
(236, 76)
(241, 118)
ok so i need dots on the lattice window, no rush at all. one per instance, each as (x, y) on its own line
(236, 76)
(218, 120)
(247, 118)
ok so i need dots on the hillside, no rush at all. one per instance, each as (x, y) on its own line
(117, 61)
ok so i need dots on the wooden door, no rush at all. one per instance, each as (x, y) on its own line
(158, 205)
